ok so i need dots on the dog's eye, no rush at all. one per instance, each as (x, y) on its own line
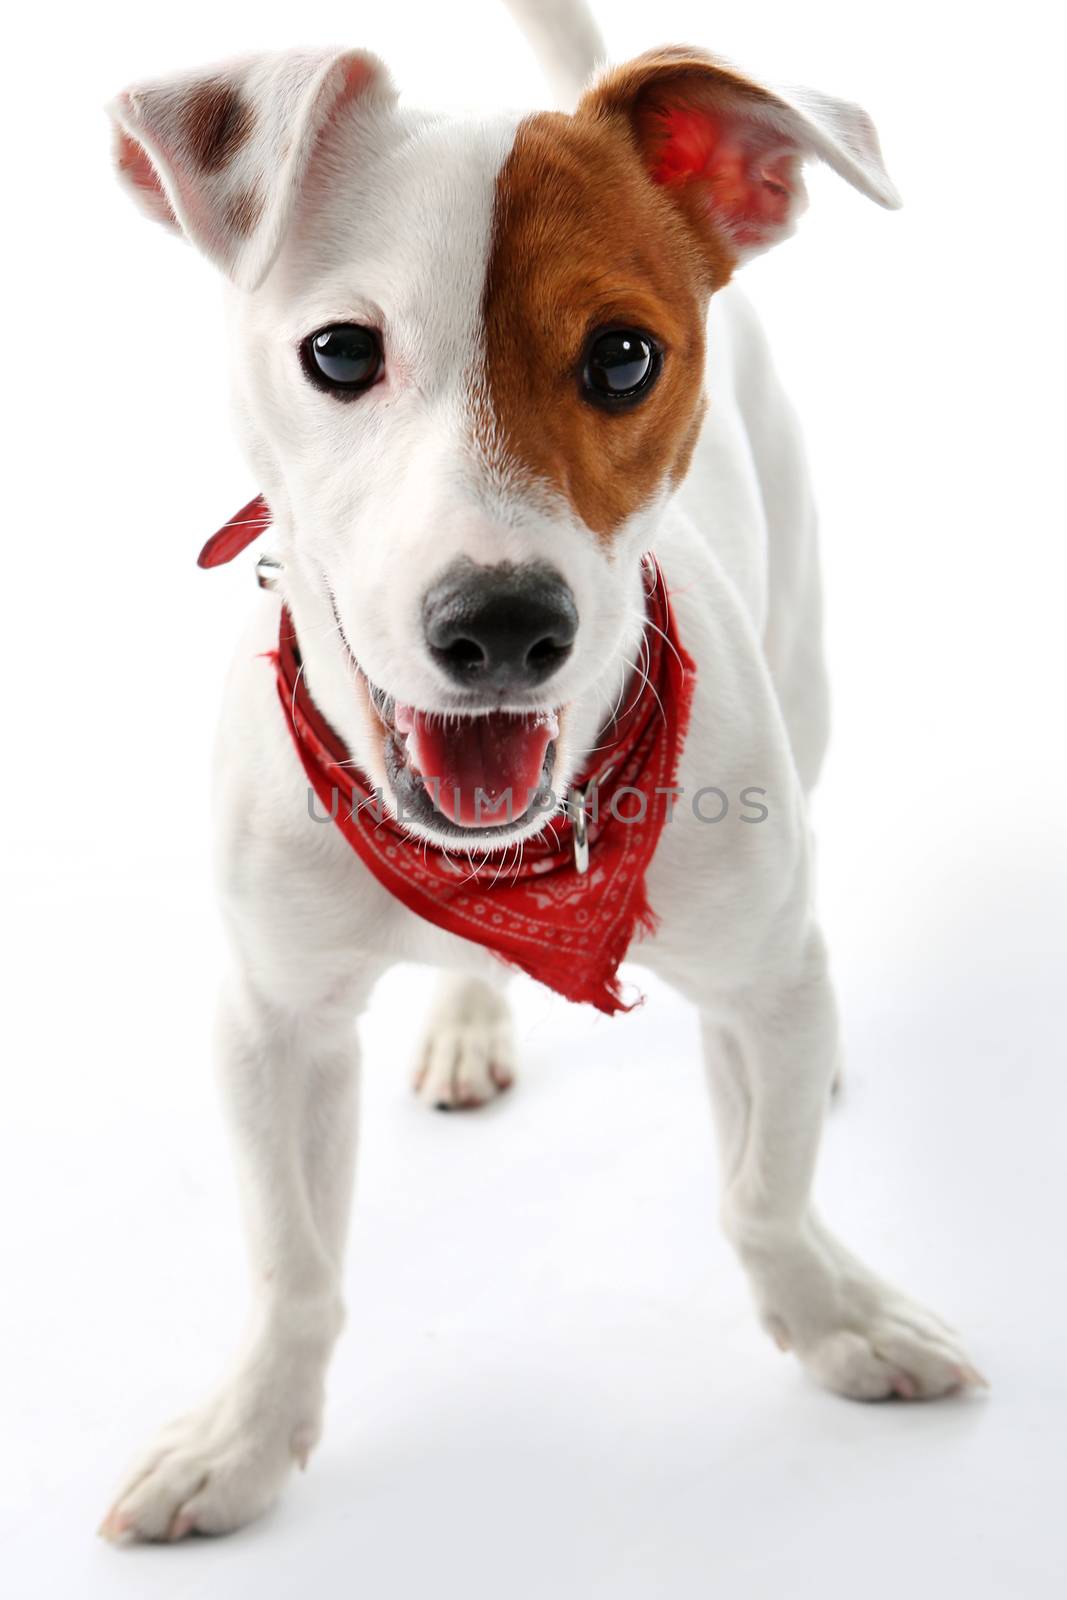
(620, 367)
(345, 358)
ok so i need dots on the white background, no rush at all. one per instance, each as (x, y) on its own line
(551, 1381)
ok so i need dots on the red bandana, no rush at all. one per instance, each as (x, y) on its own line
(569, 928)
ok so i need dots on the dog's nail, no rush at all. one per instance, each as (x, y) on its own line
(971, 1378)
(115, 1527)
(182, 1524)
(302, 1443)
(779, 1333)
(904, 1386)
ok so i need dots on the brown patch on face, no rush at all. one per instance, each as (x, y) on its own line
(243, 211)
(583, 240)
(215, 124)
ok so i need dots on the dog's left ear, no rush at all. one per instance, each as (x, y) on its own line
(728, 150)
(221, 154)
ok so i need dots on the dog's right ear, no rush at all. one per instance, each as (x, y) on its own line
(221, 154)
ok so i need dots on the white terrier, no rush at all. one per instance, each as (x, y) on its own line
(471, 359)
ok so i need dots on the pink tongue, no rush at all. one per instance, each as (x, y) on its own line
(479, 771)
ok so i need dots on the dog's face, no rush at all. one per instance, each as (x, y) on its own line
(468, 359)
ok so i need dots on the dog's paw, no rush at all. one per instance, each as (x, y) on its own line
(212, 1471)
(855, 1334)
(467, 1054)
(889, 1356)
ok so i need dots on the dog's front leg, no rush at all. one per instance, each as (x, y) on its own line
(771, 1054)
(290, 1086)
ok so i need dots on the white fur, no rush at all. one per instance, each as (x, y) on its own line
(565, 40)
(369, 501)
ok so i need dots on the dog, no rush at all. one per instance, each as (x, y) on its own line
(502, 400)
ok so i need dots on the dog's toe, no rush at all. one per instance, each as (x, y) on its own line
(210, 1473)
(465, 1065)
(855, 1334)
(467, 1055)
(890, 1360)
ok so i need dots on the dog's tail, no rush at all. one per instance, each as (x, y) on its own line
(565, 40)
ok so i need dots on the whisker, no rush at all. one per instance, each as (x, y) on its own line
(550, 827)
(296, 685)
(370, 799)
(654, 692)
(500, 868)
(521, 852)
(636, 667)
(670, 646)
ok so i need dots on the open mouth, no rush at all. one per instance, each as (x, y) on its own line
(454, 772)
(457, 772)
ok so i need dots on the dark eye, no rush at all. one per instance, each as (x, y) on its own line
(621, 366)
(345, 358)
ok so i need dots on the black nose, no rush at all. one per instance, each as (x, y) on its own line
(503, 627)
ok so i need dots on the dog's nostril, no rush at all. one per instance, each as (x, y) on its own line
(546, 652)
(465, 653)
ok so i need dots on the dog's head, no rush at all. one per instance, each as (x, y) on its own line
(469, 371)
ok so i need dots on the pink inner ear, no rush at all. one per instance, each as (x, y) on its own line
(135, 165)
(747, 168)
(359, 75)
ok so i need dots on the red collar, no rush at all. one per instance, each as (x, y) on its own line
(566, 927)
